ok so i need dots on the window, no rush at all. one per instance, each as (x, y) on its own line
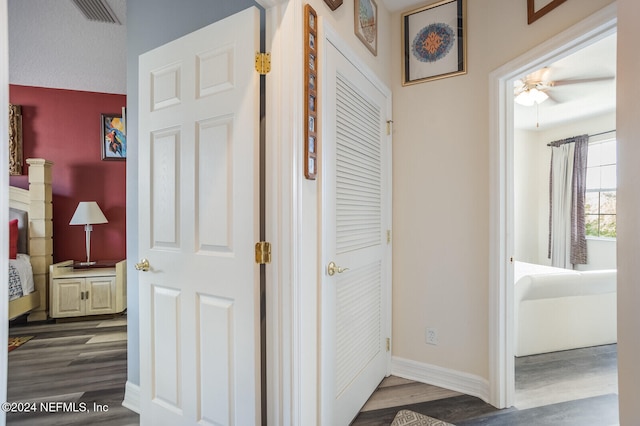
(600, 200)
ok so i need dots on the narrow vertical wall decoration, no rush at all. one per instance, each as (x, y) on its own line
(15, 140)
(311, 139)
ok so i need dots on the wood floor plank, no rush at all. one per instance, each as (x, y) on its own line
(561, 388)
(62, 365)
(404, 394)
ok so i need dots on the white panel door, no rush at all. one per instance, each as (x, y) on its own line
(356, 203)
(198, 189)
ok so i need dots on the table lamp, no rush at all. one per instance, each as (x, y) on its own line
(88, 214)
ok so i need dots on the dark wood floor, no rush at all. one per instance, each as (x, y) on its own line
(570, 388)
(82, 365)
(75, 370)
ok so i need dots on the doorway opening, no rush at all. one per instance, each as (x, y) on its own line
(502, 245)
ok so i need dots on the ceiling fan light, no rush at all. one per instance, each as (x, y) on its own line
(524, 98)
(531, 96)
(539, 96)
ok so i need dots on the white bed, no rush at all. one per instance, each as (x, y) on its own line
(35, 207)
(558, 309)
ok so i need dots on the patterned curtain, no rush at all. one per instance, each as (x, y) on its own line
(567, 189)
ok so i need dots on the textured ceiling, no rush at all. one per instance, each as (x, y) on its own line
(51, 44)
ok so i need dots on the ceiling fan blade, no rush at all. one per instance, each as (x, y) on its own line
(580, 81)
(553, 98)
(540, 75)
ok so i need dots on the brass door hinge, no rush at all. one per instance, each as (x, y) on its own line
(263, 253)
(388, 344)
(388, 236)
(389, 123)
(263, 63)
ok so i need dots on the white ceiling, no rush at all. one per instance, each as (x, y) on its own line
(51, 44)
(575, 101)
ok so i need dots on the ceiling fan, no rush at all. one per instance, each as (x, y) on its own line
(536, 87)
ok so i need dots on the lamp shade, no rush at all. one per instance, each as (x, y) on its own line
(88, 213)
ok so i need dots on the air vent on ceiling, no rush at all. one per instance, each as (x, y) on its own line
(97, 10)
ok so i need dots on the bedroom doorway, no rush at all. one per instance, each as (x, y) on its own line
(583, 102)
(595, 28)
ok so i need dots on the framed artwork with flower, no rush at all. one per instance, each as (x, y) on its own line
(434, 41)
(365, 23)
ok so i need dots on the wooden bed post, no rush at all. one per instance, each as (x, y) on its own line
(40, 231)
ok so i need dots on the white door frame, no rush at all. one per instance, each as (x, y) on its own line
(288, 388)
(501, 326)
(4, 193)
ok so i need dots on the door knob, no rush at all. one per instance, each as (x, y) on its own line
(143, 265)
(332, 268)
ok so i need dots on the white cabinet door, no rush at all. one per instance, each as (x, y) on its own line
(100, 295)
(67, 297)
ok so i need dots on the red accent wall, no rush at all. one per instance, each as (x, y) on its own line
(64, 126)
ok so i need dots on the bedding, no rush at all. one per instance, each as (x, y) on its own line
(559, 309)
(20, 276)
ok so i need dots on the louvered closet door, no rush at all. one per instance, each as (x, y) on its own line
(356, 202)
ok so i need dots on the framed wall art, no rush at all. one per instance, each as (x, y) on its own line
(365, 23)
(434, 42)
(15, 140)
(536, 9)
(114, 139)
(333, 4)
(311, 139)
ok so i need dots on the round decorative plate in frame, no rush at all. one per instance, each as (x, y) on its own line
(433, 42)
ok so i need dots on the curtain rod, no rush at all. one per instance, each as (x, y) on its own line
(591, 136)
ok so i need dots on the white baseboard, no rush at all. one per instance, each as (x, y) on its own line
(458, 381)
(132, 397)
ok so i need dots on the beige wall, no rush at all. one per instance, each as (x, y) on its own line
(628, 131)
(441, 187)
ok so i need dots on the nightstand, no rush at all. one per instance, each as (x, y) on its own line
(76, 290)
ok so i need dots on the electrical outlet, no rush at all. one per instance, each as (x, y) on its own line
(431, 336)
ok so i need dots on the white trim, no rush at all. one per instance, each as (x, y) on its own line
(132, 397)
(4, 194)
(468, 384)
(501, 327)
(284, 91)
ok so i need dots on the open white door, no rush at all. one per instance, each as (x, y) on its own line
(356, 250)
(198, 223)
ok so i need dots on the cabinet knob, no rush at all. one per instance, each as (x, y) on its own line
(143, 265)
